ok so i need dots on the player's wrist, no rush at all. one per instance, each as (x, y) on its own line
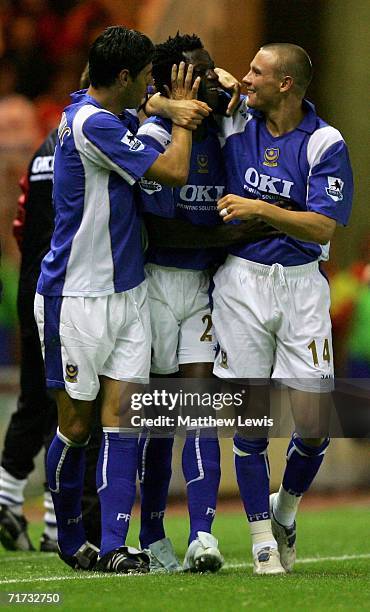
(256, 209)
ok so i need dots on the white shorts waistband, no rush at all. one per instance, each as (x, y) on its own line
(264, 270)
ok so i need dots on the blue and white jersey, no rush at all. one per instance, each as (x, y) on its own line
(195, 202)
(309, 165)
(96, 246)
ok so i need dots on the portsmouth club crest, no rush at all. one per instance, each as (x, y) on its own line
(271, 156)
(202, 161)
(335, 188)
(71, 373)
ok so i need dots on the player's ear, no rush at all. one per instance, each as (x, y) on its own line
(123, 77)
(286, 83)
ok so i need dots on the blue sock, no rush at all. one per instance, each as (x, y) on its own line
(155, 458)
(65, 473)
(303, 463)
(201, 468)
(116, 485)
(253, 476)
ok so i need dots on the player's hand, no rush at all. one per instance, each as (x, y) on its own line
(234, 207)
(229, 82)
(188, 113)
(185, 113)
(182, 86)
(181, 106)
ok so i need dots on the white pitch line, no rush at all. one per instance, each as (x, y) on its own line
(93, 576)
(305, 560)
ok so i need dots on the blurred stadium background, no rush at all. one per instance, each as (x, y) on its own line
(43, 48)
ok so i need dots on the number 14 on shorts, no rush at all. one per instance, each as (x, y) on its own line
(325, 352)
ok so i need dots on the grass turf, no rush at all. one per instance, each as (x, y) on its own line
(341, 584)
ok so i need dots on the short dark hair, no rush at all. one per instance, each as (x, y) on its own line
(171, 52)
(115, 49)
(293, 61)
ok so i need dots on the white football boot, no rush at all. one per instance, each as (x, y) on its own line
(163, 557)
(203, 554)
(285, 537)
(267, 562)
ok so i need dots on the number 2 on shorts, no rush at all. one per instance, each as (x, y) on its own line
(206, 336)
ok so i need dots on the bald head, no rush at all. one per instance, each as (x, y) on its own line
(293, 61)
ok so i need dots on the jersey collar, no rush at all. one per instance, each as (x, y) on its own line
(308, 123)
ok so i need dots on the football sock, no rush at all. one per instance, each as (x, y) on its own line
(261, 535)
(116, 485)
(11, 491)
(65, 472)
(50, 521)
(303, 463)
(154, 466)
(253, 476)
(202, 473)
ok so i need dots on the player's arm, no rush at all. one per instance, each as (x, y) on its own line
(172, 167)
(185, 113)
(303, 225)
(177, 233)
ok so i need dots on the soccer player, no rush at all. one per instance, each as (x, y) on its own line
(182, 334)
(271, 303)
(34, 422)
(90, 305)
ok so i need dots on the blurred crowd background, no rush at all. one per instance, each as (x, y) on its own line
(43, 49)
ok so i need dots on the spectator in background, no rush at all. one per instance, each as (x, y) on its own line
(18, 123)
(32, 65)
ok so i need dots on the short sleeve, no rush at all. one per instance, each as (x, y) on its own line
(330, 180)
(105, 140)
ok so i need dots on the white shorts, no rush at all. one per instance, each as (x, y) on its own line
(272, 321)
(84, 338)
(180, 315)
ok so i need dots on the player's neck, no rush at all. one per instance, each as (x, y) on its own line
(284, 118)
(108, 98)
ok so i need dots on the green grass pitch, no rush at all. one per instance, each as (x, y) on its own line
(333, 572)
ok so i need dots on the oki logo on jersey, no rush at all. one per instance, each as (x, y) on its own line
(335, 188)
(266, 183)
(43, 163)
(201, 193)
(133, 143)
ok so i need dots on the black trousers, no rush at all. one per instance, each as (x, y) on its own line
(32, 426)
